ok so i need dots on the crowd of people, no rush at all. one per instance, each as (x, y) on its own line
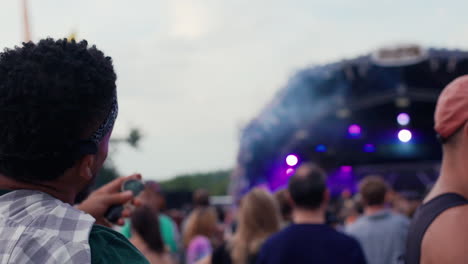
(292, 225)
(58, 105)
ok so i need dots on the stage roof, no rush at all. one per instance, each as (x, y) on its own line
(313, 115)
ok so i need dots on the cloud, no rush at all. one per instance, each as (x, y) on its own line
(189, 19)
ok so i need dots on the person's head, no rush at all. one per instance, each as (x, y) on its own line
(58, 105)
(350, 211)
(201, 222)
(307, 188)
(373, 190)
(406, 202)
(152, 196)
(201, 198)
(259, 217)
(145, 224)
(284, 205)
(346, 194)
(451, 116)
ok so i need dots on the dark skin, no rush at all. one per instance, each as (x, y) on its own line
(79, 177)
(100, 200)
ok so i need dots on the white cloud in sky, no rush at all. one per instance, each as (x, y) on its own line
(189, 19)
(191, 72)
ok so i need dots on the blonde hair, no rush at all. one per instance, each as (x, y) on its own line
(259, 217)
(201, 222)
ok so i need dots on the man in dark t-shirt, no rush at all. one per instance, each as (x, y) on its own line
(309, 240)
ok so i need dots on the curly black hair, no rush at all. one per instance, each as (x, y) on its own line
(52, 95)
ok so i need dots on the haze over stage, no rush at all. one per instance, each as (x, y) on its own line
(373, 110)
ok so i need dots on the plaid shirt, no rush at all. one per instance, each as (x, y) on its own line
(37, 228)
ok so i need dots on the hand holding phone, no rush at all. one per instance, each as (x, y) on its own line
(114, 213)
(100, 201)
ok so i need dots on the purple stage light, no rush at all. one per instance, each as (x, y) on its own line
(354, 130)
(292, 160)
(289, 171)
(346, 169)
(369, 148)
(403, 119)
(405, 135)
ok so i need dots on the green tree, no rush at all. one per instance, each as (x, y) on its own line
(216, 183)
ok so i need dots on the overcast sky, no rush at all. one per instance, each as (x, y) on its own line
(192, 72)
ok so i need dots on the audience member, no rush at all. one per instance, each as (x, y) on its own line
(331, 219)
(438, 232)
(258, 219)
(201, 198)
(177, 215)
(199, 233)
(381, 232)
(58, 104)
(153, 198)
(146, 236)
(351, 211)
(406, 202)
(285, 207)
(309, 239)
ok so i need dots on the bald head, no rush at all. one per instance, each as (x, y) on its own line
(451, 111)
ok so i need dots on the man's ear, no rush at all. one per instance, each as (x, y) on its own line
(85, 166)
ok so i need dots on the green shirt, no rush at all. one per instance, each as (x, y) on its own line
(109, 246)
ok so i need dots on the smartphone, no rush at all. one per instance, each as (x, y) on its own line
(115, 211)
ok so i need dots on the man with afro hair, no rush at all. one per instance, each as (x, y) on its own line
(58, 104)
